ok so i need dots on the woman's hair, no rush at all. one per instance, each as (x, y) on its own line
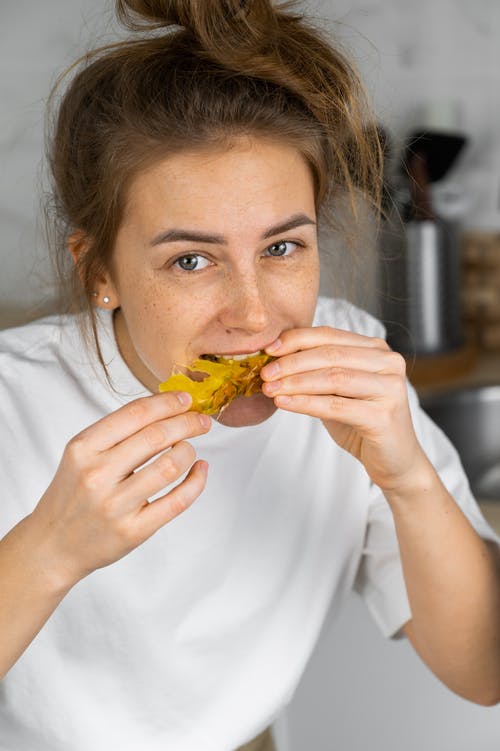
(198, 73)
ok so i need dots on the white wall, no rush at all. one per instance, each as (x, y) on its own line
(37, 41)
(360, 692)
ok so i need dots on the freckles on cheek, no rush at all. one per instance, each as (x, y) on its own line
(153, 311)
(171, 322)
(302, 298)
(160, 318)
(312, 288)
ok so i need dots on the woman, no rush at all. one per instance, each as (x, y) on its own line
(153, 599)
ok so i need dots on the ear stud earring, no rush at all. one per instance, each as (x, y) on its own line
(105, 299)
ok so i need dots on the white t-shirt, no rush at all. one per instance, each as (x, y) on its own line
(196, 640)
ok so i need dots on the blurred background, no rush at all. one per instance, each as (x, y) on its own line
(432, 273)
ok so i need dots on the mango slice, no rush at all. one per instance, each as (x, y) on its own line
(224, 381)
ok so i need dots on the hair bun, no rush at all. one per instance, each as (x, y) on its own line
(188, 13)
(146, 14)
(198, 16)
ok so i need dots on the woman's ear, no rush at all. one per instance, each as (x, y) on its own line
(77, 244)
(103, 292)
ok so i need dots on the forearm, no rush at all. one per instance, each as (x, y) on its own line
(453, 583)
(30, 590)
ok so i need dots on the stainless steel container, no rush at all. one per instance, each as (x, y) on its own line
(471, 419)
(420, 286)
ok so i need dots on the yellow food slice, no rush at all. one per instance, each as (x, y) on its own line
(224, 381)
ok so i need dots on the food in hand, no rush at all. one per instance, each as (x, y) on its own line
(225, 379)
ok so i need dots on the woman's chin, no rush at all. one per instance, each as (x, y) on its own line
(247, 410)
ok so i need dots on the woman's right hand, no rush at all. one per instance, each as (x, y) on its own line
(95, 510)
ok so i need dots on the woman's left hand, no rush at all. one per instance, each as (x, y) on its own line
(357, 386)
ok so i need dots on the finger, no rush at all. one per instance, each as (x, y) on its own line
(164, 509)
(155, 476)
(314, 336)
(130, 418)
(354, 384)
(130, 453)
(372, 360)
(359, 414)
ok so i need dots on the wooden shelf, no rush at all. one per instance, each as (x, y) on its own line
(465, 367)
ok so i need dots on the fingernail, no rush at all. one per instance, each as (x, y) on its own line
(274, 346)
(283, 400)
(184, 398)
(272, 387)
(204, 420)
(272, 370)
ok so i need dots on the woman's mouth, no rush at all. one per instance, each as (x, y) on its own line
(214, 381)
(234, 356)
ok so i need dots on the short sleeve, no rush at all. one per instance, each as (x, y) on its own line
(379, 579)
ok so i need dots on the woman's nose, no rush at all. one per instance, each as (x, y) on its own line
(245, 306)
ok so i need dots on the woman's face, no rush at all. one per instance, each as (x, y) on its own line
(217, 254)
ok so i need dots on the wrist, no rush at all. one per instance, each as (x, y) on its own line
(55, 575)
(419, 482)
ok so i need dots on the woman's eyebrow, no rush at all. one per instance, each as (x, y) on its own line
(179, 235)
(298, 220)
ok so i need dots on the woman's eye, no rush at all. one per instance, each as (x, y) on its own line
(284, 247)
(191, 262)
